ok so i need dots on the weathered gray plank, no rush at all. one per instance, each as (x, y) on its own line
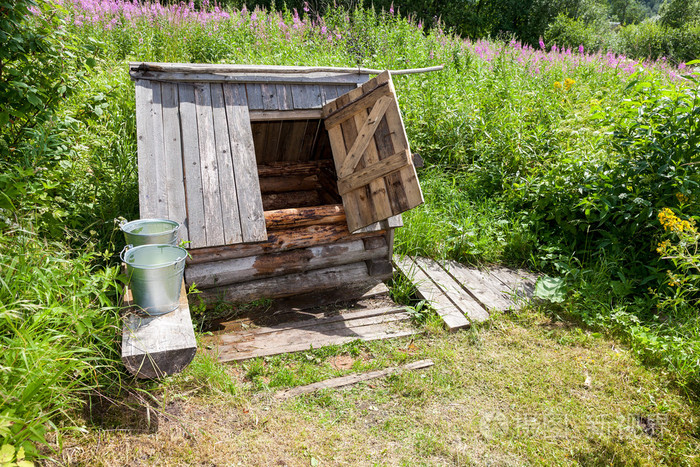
(450, 314)
(146, 163)
(209, 166)
(241, 78)
(394, 323)
(329, 93)
(175, 177)
(245, 167)
(351, 379)
(453, 290)
(254, 96)
(191, 165)
(271, 115)
(307, 96)
(231, 218)
(156, 346)
(284, 97)
(158, 180)
(485, 288)
(269, 96)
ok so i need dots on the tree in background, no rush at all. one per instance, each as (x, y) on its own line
(677, 13)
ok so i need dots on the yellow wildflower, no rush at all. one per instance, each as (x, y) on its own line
(682, 198)
(661, 249)
(568, 82)
(673, 223)
(557, 85)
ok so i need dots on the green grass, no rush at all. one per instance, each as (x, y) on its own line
(525, 388)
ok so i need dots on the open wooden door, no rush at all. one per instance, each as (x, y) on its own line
(376, 176)
(197, 161)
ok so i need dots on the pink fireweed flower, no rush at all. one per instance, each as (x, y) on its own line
(580, 49)
(541, 43)
(391, 9)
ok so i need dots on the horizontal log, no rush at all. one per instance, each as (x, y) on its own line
(292, 168)
(300, 217)
(290, 199)
(281, 240)
(288, 285)
(286, 183)
(208, 275)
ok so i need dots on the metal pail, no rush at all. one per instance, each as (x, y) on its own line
(155, 276)
(150, 232)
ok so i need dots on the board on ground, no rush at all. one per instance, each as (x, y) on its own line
(462, 294)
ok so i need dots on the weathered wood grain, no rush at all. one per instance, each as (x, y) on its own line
(230, 216)
(301, 217)
(281, 169)
(452, 316)
(372, 172)
(351, 379)
(280, 240)
(209, 166)
(157, 346)
(174, 174)
(219, 273)
(485, 288)
(287, 285)
(245, 168)
(453, 290)
(191, 165)
(290, 199)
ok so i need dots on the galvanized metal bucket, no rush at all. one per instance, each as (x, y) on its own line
(150, 232)
(155, 276)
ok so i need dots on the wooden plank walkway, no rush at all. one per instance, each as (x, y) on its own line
(370, 324)
(462, 295)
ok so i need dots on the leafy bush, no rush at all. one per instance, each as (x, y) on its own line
(651, 40)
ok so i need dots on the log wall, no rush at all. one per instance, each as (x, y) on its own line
(308, 249)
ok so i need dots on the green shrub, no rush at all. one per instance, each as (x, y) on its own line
(651, 40)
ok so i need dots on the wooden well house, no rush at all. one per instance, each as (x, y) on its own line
(287, 180)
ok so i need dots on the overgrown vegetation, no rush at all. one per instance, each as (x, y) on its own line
(581, 165)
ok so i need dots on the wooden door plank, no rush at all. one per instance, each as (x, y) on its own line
(175, 177)
(453, 290)
(245, 168)
(209, 166)
(351, 204)
(454, 319)
(488, 290)
(379, 169)
(148, 199)
(357, 103)
(362, 197)
(231, 218)
(364, 136)
(191, 163)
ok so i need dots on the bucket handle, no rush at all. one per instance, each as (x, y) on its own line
(123, 252)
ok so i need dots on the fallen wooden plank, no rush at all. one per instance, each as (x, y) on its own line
(487, 289)
(351, 379)
(453, 290)
(450, 314)
(281, 332)
(342, 336)
(157, 346)
(313, 333)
